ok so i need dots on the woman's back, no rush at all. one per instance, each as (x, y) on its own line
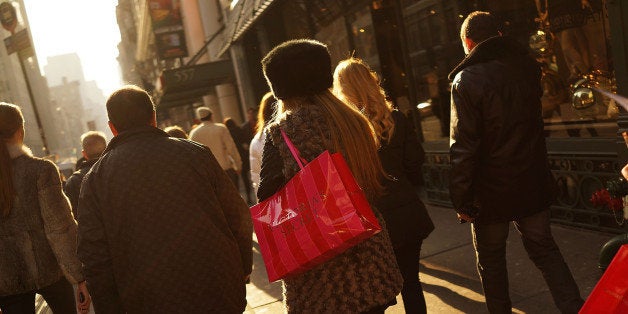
(366, 277)
(356, 280)
(39, 234)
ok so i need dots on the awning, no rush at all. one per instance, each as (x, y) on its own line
(188, 84)
(241, 18)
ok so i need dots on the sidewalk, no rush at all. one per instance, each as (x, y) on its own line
(449, 276)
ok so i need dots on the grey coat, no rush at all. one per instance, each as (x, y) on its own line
(38, 238)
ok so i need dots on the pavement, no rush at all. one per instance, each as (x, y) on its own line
(449, 277)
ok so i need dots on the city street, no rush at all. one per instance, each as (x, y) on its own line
(449, 277)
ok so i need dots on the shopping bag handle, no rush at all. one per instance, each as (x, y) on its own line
(293, 149)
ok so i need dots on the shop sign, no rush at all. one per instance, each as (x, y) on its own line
(168, 28)
(8, 16)
(18, 42)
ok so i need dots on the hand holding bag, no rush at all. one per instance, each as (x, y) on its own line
(320, 213)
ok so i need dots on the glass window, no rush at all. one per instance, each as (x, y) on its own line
(335, 37)
(570, 42)
(364, 37)
(572, 46)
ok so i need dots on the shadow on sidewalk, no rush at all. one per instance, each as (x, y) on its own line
(262, 292)
(456, 291)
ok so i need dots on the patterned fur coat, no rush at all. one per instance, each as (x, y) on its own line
(360, 279)
(38, 238)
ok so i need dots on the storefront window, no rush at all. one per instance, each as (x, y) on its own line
(363, 36)
(571, 43)
(335, 36)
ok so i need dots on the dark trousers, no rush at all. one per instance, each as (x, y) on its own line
(490, 246)
(412, 293)
(59, 296)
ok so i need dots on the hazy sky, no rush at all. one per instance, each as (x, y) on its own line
(87, 27)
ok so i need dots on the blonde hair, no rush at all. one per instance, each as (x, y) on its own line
(176, 131)
(356, 84)
(93, 143)
(266, 111)
(11, 120)
(351, 134)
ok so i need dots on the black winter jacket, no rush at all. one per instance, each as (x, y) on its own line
(497, 147)
(72, 187)
(402, 157)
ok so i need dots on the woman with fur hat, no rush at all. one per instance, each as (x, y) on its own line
(365, 278)
(38, 237)
(402, 156)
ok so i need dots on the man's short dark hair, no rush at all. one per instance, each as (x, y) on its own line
(130, 107)
(479, 26)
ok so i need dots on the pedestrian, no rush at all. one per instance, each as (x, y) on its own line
(499, 167)
(216, 136)
(176, 131)
(238, 138)
(365, 278)
(161, 228)
(37, 232)
(93, 143)
(267, 108)
(248, 131)
(402, 156)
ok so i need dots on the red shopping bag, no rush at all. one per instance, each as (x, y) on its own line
(610, 295)
(320, 213)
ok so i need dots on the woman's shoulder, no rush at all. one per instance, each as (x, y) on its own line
(45, 166)
(36, 168)
(399, 119)
(398, 115)
(28, 160)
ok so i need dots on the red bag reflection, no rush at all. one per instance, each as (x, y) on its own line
(320, 213)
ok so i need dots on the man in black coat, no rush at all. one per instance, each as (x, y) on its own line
(499, 167)
(161, 227)
(93, 143)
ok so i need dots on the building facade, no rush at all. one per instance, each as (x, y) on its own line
(90, 111)
(413, 44)
(13, 89)
(170, 49)
(69, 115)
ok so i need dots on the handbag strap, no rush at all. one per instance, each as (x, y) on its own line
(293, 149)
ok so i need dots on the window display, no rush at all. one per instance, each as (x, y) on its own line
(570, 39)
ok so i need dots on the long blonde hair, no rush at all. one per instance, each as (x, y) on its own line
(11, 120)
(350, 134)
(356, 84)
(266, 111)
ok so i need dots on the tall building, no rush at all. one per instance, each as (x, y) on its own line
(92, 115)
(13, 89)
(69, 115)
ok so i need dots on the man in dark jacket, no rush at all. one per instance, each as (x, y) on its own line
(161, 227)
(93, 143)
(499, 167)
